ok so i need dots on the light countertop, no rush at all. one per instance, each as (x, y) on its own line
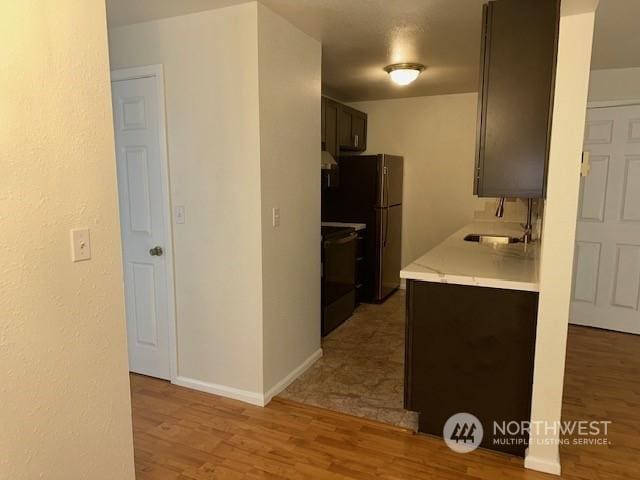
(512, 267)
(357, 226)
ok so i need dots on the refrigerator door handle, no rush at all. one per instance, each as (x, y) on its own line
(386, 189)
(386, 227)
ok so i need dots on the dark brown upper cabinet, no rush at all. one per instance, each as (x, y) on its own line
(518, 62)
(353, 129)
(347, 140)
(330, 110)
(343, 128)
(359, 130)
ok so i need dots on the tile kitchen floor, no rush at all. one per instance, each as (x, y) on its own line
(361, 371)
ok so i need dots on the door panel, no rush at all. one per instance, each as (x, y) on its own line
(344, 126)
(626, 283)
(359, 131)
(606, 291)
(143, 311)
(137, 177)
(631, 197)
(587, 266)
(594, 190)
(141, 194)
(331, 128)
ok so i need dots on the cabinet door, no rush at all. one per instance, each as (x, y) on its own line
(516, 94)
(470, 349)
(344, 126)
(359, 131)
(331, 127)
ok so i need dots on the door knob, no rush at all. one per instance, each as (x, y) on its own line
(156, 252)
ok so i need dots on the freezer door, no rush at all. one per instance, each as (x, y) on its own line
(388, 249)
(390, 176)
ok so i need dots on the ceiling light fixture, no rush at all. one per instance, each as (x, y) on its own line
(404, 73)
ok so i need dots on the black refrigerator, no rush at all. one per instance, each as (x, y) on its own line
(369, 191)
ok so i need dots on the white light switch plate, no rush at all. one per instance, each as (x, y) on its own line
(179, 214)
(276, 217)
(80, 245)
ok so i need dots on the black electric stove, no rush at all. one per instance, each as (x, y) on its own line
(338, 276)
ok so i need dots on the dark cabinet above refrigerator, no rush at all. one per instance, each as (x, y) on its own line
(519, 47)
(353, 129)
(343, 128)
(330, 111)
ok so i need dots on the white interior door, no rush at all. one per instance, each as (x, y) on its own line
(606, 290)
(140, 158)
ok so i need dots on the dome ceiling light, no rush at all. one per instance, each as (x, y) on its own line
(404, 73)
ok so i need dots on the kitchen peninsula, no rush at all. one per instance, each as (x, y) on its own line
(471, 321)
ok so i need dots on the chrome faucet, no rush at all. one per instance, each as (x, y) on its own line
(528, 227)
(527, 235)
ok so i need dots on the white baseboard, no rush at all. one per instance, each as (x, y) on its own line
(545, 465)
(289, 379)
(245, 395)
(224, 391)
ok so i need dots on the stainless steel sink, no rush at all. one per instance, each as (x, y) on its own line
(492, 239)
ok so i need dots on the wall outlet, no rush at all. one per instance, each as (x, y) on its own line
(80, 245)
(276, 217)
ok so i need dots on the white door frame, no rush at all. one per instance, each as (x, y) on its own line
(157, 72)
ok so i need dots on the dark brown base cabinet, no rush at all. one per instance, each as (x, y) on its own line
(470, 349)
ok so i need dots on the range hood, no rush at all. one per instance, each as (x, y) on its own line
(327, 162)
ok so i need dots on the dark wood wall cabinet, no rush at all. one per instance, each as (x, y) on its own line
(470, 349)
(344, 129)
(518, 61)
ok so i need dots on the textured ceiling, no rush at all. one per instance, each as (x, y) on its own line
(360, 37)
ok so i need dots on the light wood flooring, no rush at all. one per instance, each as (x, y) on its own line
(188, 435)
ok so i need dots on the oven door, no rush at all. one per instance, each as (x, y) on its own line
(338, 268)
(338, 281)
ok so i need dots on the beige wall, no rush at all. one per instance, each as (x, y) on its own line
(211, 87)
(614, 84)
(559, 224)
(64, 397)
(242, 91)
(289, 77)
(436, 135)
